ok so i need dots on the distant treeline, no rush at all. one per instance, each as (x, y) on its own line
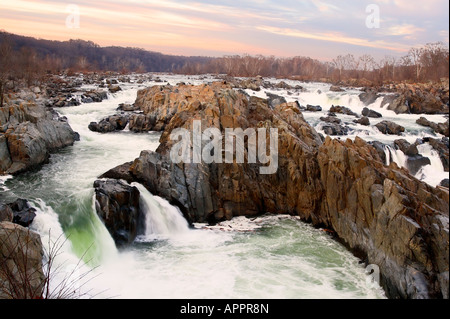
(429, 63)
(80, 55)
(28, 58)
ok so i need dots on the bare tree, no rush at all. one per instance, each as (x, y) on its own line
(5, 66)
(415, 55)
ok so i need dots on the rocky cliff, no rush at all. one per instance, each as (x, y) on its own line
(28, 134)
(382, 213)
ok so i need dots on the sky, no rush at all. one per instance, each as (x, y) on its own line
(321, 29)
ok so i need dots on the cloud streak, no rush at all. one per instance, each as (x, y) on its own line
(207, 27)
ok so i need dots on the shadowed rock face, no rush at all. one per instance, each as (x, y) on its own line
(117, 204)
(394, 220)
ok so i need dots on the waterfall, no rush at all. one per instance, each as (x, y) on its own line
(432, 174)
(395, 156)
(162, 220)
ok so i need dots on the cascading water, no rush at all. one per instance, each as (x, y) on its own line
(162, 220)
(267, 257)
(434, 173)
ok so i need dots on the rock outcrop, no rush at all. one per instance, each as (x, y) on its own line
(390, 128)
(112, 123)
(21, 259)
(117, 204)
(28, 134)
(390, 218)
(441, 128)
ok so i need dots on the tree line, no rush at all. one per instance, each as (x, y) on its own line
(428, 63)
(30, 59)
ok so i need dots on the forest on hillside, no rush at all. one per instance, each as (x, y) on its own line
(29, 58)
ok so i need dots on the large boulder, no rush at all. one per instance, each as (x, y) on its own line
(23, 213)
(117, 204)
(21, 260)
(29, 134)
(441, 128)
(400, 223)
(390, 128)
(112, 123)
(342, 110)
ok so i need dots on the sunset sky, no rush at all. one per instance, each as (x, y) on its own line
(321, 29)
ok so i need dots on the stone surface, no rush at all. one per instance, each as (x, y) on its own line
(390, 128)
(117, 204)
(371, 113)
(379, 211)
(21, 260)
(29, 134)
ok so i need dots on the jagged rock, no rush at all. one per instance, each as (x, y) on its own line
(406, 147)
(127, 107)
(117, 204)
(21, 260)
(94, 97)
(371, 113)
(420, 99)
(390, 128)
(275, 100)
(113, 123)
(313, 108)
(392, 219)
(333, 129)
(342, 110)
(441, 128)
(31, 134)
(416, 162)
(331, 119)
(23, 213)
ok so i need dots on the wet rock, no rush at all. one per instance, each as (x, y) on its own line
(406, 147)
(117, 204)
(363, 121)
(333, 129)
(331, 119)
(113, 123)
(32, 133)
(127, 107)
(335, 88)
(416, 162)
(390, 128)
(114, 88)
(445, 183)
(441, 128)
(393, 219)
(313, 108)
(371, 113)
(342, 110)
(275, 100)
(23, 213)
